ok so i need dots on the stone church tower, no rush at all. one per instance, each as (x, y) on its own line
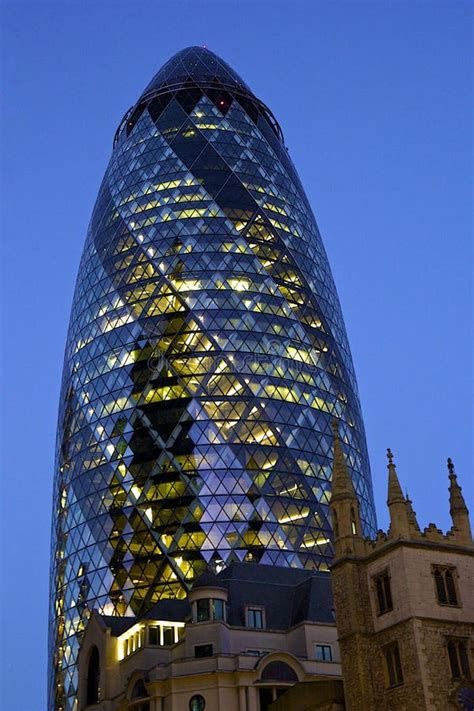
(404, 602)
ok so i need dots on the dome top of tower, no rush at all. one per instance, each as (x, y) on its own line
(197, 65)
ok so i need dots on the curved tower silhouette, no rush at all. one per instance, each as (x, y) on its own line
(205, 361)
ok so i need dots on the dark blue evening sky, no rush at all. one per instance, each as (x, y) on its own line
(375, 101)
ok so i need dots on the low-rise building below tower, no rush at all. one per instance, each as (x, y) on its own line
(242, 641)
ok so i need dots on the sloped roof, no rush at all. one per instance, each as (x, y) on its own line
(289, 596)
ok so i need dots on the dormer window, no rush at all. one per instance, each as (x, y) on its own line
(255, 617)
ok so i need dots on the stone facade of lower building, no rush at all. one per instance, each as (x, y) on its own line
(404, 603)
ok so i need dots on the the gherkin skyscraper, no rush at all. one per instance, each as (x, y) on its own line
(205, 361)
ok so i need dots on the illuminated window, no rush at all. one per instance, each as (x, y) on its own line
(353, 522)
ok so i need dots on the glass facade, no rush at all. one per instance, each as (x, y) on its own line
(205, 360)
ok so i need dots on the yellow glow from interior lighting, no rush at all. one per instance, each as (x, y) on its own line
(195, 212)
(239, 284)
(294, 517)
(187, 284)
(117, 322)
(263, 435)
(127, 359)
(291, 490)
(190, 338)
(165, 393)
(275, 208)
(315, 542)
(167, 185)
(280, 225)
(299, 354)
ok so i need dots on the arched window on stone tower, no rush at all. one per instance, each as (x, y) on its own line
(445, 586)
(353, 522)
